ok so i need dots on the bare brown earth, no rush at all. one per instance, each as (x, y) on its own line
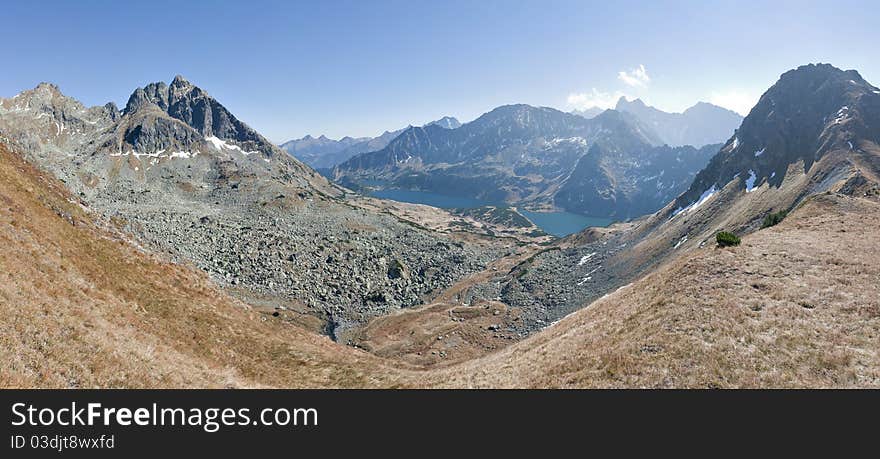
(442, 221)
(796, 305)
(447, 330)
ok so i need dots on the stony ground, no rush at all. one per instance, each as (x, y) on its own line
(342, 264)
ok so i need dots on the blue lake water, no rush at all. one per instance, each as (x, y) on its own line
(556, 223)
(563, 223)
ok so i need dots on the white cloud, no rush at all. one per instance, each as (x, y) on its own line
(637, 77)
(594, 98)
(736, 100)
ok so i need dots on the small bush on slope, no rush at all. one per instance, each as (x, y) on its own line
(726, 239)
(773, 219)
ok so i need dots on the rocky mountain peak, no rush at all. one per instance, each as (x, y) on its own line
(45, 97)
(810, 112)
(47, 88)
(180, 82)
(447, 122)
(193, 106)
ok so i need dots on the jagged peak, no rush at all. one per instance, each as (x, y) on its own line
(45, 86)
(810, 111)
(44, 95)
(180, 81)
(160, 94)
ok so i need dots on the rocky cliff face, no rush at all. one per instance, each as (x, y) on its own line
(195, 108)
(809, 113)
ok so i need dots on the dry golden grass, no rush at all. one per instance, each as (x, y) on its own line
(796, 305)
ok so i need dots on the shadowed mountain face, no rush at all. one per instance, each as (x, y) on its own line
(324, 153)
(525, 155)
(190, 104)
(608, 181)
(699, 125)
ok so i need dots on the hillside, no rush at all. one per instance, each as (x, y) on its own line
(796, 305)
(83, 306)
(793, 144)
(192, 182)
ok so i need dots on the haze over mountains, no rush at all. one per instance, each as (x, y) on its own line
(175, 177)
(699, 125)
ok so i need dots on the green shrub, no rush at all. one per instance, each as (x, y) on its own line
(726, 239)
(773, 218)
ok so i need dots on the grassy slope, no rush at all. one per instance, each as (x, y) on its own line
(80, 307)
(797, 305)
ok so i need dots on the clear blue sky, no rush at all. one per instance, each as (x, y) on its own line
(360, 67)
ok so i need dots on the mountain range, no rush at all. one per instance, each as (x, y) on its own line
(323, 153)
(610, 165)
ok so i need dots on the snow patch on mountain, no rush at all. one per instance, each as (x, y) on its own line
(699, 202)
(750, 182)
(221, 144)
(585, 258)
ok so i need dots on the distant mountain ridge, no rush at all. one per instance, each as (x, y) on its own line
(699, 125)
(324, 153)
(588, 113)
